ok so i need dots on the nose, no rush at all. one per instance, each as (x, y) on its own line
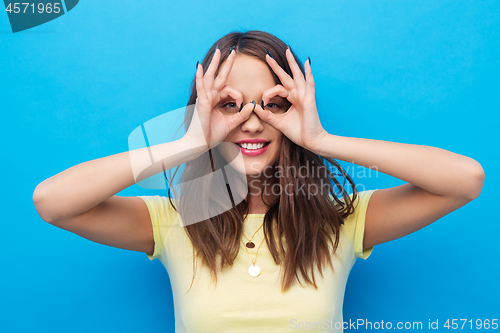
(253, 124)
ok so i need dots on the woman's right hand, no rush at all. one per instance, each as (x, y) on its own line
(209, 126)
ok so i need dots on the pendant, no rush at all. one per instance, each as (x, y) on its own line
(250, 245)
(254, 270)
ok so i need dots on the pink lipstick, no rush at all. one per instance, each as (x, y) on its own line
(252, 147)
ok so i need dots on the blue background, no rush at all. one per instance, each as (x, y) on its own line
(72, 90)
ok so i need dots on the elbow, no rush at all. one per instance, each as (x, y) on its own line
(39, 200)
(476, 181)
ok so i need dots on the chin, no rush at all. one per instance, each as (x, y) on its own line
(250, 167)
(258, 168)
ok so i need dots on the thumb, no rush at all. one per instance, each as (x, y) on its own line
(266, 116)
(244, 113)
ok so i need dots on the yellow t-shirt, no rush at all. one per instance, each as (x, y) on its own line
(242, 303)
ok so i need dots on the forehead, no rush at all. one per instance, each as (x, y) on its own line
(250, 75)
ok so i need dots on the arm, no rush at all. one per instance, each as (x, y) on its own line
(438, 182)
(82, 198)
(84, 186)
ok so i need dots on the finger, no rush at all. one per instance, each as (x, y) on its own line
(310, 87)
(200, 86)
(221, 79)
(229, 91)
(267, 116)
(241, 116)
(298, 76)
(212, 68)
(285, 79)
(277, 90)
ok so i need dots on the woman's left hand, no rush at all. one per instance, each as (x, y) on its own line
(301, 122)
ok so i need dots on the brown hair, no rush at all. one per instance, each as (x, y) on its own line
(304, 222)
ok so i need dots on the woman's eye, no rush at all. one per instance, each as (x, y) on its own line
(230, 104)
(273, 105)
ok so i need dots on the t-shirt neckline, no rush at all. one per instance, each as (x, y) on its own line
(255, 215)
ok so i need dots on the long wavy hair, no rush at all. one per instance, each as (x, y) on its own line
(298, 228)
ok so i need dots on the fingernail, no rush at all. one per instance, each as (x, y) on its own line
(254, 104)
(262, 104)
(216, 47)
(309, 61)
(232, 47)
(288, 47)
(241, 107)
(269, 54)
(197, 64)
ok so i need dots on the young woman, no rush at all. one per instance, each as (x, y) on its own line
(262, 236)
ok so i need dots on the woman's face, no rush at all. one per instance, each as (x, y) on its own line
(258, 142)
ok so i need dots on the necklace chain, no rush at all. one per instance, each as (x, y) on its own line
(254, 270)
(250, 239)
(253, 261)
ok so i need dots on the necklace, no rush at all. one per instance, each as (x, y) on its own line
(251, 244)
(254, 270)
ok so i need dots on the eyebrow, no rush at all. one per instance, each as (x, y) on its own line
(229, 97)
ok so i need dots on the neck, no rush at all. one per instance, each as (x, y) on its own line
(256, 188)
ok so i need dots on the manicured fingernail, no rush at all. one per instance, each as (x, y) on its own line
(262, 104)
(241, 107)
(309, 61)
(269, 54)
(232, 47)
(254, 104)
(216, 47)
(197, 64)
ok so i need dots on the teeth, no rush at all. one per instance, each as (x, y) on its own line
(252, 146)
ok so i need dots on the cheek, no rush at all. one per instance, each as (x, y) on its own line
(228, 151)
(233, 157)
(229, 137)
(276, 151)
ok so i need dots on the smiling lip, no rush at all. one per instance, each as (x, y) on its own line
(251, 141)
(252, 152)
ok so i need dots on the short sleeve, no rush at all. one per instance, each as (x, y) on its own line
(359, 230)
(355, 224)
(158, 207)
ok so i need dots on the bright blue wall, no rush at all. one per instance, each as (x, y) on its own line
(72, 90)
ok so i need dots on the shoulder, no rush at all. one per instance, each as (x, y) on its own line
(358, 214)
(360, 199)
(161, 209)
(354, 224)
